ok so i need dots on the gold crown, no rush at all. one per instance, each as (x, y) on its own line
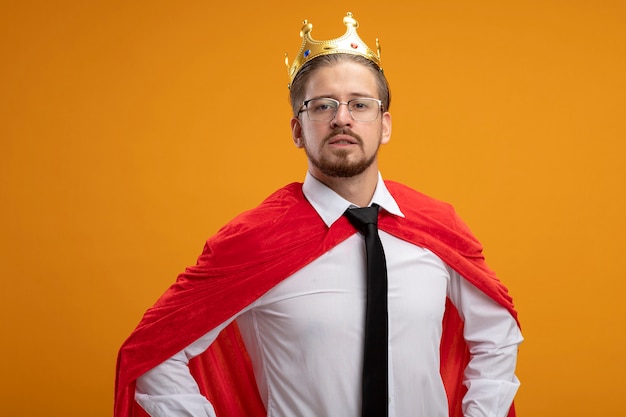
(349, 43)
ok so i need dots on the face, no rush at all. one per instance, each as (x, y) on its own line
(341, 147)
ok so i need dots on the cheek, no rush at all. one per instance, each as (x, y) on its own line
(376, 139)
(310, 138)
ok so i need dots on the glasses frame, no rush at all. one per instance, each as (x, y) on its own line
(304, 108)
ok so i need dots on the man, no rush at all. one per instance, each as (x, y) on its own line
(291, 273)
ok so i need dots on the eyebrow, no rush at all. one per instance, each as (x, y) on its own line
(351, 96)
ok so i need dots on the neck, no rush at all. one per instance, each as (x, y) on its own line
(358, 189)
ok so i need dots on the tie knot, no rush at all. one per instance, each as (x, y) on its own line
(361, 217)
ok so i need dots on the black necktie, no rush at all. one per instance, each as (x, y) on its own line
(375, 384)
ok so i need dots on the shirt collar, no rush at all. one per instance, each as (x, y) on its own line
(330, 206)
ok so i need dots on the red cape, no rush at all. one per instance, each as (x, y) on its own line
(256, 251)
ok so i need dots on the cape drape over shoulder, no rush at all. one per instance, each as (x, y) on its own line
(253, 253)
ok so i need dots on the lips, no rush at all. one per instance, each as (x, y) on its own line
(343, 137)
(343, 140)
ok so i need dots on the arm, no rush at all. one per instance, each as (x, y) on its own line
(169, 389)
(492, 336)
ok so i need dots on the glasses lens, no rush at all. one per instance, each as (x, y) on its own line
(322, 109)
(364, 109)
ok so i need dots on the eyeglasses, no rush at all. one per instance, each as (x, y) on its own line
(325, 109)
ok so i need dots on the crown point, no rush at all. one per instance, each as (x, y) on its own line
(350, 21)
(306, 29)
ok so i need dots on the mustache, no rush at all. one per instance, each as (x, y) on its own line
(343, 131)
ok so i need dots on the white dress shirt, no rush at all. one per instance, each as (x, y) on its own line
(305, 336)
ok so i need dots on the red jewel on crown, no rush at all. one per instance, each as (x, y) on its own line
(354, 45)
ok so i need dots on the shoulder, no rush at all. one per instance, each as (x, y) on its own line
(283, 198)
(278, 207)
(412, 201)
(284, 220)
(435, 217)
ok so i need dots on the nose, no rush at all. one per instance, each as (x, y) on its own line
(342, 116)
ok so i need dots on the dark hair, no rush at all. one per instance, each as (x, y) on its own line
(296, 91)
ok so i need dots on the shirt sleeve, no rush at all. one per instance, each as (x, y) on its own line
(493, 336)
(169, 389)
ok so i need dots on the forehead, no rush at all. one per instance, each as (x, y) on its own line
(342, 81)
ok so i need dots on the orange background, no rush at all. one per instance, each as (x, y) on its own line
(130, 131)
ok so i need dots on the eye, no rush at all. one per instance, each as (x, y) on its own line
(322, 105)
(360, 105)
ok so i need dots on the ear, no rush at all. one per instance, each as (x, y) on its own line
(296, 132)
(386, 128)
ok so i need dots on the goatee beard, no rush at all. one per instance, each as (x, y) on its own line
(338, 165)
